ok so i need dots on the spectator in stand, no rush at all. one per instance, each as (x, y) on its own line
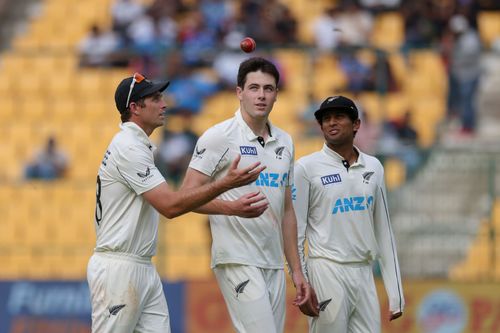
(379, 6)
(464, 73)
(326, 37)
(48, 164)
(355, 24)
(284, 23)
(423, 23)
(124, 13)
(400, 140)
(216, 13)
(100, 49)
(257, 21)
(189, 87)
(227, 62)
(307, 118)
(286, 28)
(359, 75)
(176, 149)
(199, 44)
(368, 136)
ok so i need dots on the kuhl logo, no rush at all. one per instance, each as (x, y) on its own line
(145, 174)
(279, 152)
(367, 176)
(241, 287)
(330, 179)
(248, 150)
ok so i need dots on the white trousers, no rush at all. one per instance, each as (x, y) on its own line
(255, 297)
(347, 297)
(126, 295)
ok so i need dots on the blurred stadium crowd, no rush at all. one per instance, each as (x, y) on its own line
(415, 68)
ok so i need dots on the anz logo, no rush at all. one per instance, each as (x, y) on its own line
(351, 204)
(270, 179)
(248, 150)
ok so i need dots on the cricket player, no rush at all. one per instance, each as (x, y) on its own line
(341, 205)
(126, 291)
(247, 249)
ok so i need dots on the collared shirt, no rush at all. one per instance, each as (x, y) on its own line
(342, 210)
(256, 241)
(124, 220)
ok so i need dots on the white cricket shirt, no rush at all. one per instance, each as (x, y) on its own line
(344, 214)
(124, 220)
(256, 241)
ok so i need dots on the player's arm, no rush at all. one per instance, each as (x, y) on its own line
(289, 226)
(252, 204)
(300, 200)
(389, 265)
(171, 204)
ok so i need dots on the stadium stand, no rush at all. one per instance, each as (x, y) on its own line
(44, 92)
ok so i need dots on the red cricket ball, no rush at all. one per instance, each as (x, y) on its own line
(247, 44)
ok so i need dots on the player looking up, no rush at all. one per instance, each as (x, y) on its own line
(126, 291)
(341, 205)
(247, 253)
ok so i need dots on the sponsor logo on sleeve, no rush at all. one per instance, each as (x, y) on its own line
(248, 150)
(145, 175)
(331, 179)
(198, 152)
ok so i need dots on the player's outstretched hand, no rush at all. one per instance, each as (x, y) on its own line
(238, 177)
(250, 205)
(393, 316)
(311, 307)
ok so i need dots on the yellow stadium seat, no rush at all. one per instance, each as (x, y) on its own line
(395, 173)
(388, 31)
(489, 26)
(62, 84)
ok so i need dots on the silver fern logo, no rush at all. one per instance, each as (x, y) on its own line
(241, 287)
(322, 306)
(367, 176)
(113, 310)
(279, 152)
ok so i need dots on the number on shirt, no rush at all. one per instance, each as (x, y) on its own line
(98, 204)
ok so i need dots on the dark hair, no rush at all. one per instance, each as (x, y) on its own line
(254, 65)
(125, 116)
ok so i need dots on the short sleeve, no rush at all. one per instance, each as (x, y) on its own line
(211, 153)
(137, 167)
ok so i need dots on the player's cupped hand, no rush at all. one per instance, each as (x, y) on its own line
(393, 316)
(236, 177)
(311, 306)
(250, 205)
